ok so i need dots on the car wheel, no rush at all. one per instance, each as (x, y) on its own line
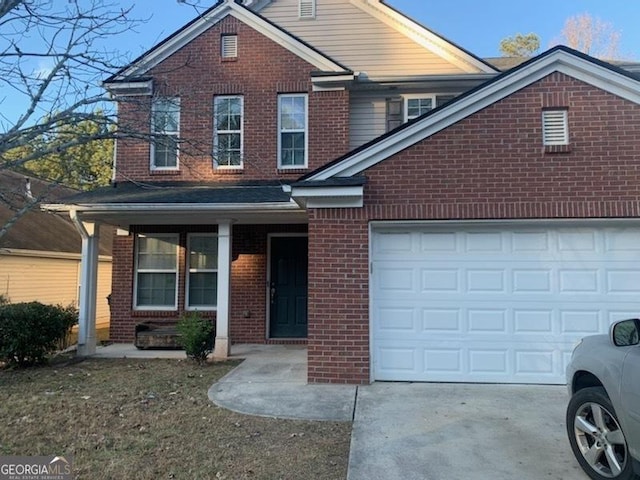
(595, 435)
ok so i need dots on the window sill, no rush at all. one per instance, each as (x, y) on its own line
(228, 59)
(153, 313)
(557, 149)
(229, 170)
(165, 172)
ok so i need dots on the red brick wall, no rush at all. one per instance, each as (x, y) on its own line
(492, 165)
(248, 282)
(263, 69)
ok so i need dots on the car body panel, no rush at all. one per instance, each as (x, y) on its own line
(630, 398)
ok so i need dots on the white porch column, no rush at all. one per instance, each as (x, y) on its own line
(222, 343)
(90, 233)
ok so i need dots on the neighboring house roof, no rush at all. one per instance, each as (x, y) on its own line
(558, 59)
(163, 50)
(37, 230)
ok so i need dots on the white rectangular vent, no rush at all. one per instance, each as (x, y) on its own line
(555, 127)
(307, 8)
(229, 46)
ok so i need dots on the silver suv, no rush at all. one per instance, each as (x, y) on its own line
(603, 416)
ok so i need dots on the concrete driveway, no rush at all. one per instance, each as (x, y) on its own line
(460, 431)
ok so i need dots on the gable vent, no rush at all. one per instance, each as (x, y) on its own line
(307, 8)
(555, 127)
(229, 46)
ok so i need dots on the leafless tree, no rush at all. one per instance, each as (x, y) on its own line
(591, 35)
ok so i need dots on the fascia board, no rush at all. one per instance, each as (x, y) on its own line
(329, 197)
(422, 36)
(170, 207)
(254, 21)
(559, 61)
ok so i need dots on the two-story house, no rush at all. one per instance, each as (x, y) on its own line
(330, 172)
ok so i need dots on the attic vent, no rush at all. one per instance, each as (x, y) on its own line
(307, 8)
(229, 46)
(555, 127)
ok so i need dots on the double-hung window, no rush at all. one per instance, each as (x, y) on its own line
(227, 139)
(418, 105)
(165, 129)
(156, 271)
(202, 281)
(292, 131)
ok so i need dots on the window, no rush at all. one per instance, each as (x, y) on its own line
(555, 127)
(418, 105)
(229, 46)
(165, 127)
(156, 272)
(292, 128)
(227, 139)
(202, 281)
(307, 8)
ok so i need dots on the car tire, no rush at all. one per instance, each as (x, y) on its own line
(596, 437)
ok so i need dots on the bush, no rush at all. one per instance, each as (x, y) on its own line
(31, 331)
(196, 336)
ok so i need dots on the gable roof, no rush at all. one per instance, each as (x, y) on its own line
(561, 59)
(223, 8)
(425, 37)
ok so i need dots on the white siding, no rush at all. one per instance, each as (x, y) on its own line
(52, 281)
(359, 41)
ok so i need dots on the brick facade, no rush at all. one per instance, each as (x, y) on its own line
(262, 71)
(491, 165)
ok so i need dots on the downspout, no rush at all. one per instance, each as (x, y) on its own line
(88, 285)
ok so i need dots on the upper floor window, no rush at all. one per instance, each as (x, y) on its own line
(165, 129)
(202, 279)
(229, 46)
(156, 272)
(292, 131)
(228, 128)
(418, 105)
(555, 127)
(307, 8)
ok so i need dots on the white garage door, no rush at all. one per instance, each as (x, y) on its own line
(490, 304)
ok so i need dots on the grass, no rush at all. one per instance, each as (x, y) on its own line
(151, 419)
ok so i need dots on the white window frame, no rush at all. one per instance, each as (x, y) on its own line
(417, 96)
(189, 271)
(555, 127)
(305, 131)
(216, 132)
(229, 46)
(137, 270)
(176, 134)
(306, 9)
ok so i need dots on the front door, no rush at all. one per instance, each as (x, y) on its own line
(288, 288)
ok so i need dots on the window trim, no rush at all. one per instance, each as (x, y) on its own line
(189, 271)
(136, 271)
(216, 165)
(560, 115)
(305, 131)
(417, 96)
(175, 134)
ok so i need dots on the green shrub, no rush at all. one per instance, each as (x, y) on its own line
(31, 331)
(196, 336)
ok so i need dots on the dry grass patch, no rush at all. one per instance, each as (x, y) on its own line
(151, 419)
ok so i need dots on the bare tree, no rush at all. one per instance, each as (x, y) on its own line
(591, 35)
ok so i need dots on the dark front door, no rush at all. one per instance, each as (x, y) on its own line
(288, 289)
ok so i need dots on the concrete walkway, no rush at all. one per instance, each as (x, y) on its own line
(405, 431)
(272, 382)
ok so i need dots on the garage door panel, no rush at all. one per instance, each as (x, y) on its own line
(496, 306)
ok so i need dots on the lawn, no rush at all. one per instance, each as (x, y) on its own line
(151, 419)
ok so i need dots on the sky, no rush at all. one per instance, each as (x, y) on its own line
(477, 26)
